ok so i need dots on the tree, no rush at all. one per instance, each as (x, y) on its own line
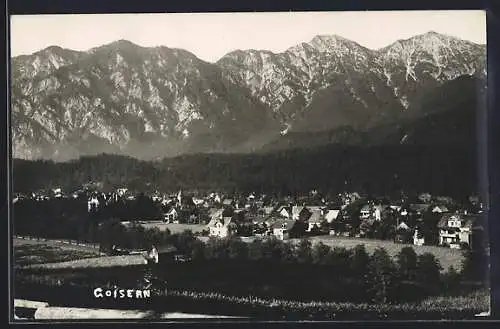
(216, 249)
(339, 259)
(197, 250)
(359, 262)
(271, 249)
(451, 279)
(320, 253)
(237, 249)
(381, 276)
(255, 250)
(428, 273)
(407, 264)
(303, 252)
(475, 265)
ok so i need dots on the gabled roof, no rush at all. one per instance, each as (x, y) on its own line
(296, 210)
(227, 221)
(332, 214)
(366, 208)
(467, 220)
(441, 208)
(315, 217)
(403, 226)
(215, 213)
(286, 224)
(315, 208)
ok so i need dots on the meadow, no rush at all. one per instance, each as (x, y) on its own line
(42, 252)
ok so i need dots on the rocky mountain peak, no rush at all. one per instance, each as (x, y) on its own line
(137, 98)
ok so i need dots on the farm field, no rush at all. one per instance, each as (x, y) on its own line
(105, 261)
(33, 252)
(54, 254)
(174, 228)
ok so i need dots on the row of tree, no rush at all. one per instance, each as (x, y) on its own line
(411, 168)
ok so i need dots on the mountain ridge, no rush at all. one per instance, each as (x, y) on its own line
(150, 102)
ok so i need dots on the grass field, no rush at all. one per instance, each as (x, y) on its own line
(106, 261)
(32, 252)
(54, 254)
(174, 228)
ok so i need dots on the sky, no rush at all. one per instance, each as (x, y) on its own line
(211, 35)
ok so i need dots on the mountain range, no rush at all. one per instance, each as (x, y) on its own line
(161, 102)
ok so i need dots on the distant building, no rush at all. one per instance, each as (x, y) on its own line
(418, 240)
(171, 216)
(439, 209)
(456, 229)
(314, 220)
(92, 203)
(331, 215)
(282, 229)
(365, 212)
(222, 227)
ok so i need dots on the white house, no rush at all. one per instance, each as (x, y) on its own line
(121, 191)
(365, 212)
(284, 212)
(416, 240)
(314, 220)
(282, 228)
(171, 216)
(455, 229)
(92, 203)
(439, 209)
(332, 215)
(222, 227)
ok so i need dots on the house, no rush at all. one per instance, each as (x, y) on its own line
(320, 209)
(284, 211)
(162, 253)
(282, 228)
(418, 239)
(365, 212)
(403, 233)
(298, 211)
(456, 229)
(378, 210)
(439, 209)
(332, 215)
(314, 220)
(198, 201)
(222, 227)
(395, 207)
(92, 203)
(171, 216)
(121, 191)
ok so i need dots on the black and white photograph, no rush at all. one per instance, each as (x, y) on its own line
(257, 166)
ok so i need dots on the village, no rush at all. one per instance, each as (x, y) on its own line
(423, 219)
